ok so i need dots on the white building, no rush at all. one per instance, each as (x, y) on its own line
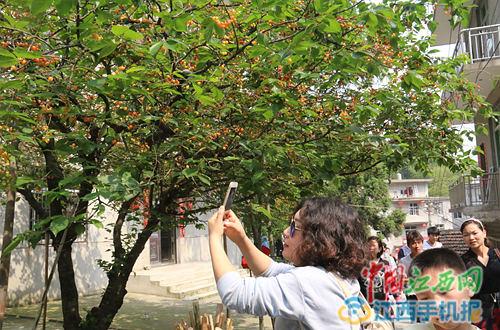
(26, 280)
(412, 197)
(478, 196)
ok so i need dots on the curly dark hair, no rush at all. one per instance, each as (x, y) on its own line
(333, 236)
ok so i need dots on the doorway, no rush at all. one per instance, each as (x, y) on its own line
(162, 246)
(167, 246)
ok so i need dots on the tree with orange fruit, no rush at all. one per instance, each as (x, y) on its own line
(178, 98)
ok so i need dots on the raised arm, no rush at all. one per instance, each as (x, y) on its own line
(220, 262)
(257, 261)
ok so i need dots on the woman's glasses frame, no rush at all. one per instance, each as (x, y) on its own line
(293, 227)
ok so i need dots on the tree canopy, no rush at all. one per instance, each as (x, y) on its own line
(116, 100)
(368, 192)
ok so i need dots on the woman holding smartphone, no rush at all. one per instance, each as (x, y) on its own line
(323, 243)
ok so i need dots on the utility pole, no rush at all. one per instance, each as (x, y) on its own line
(7, 238)
(429, 212)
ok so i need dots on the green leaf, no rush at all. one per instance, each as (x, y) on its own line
(129, 181)
(372, 20)
(7, 59)
(72, 180)
(148, 173)
(180, 23)
(39, 6)
(126, 33)
(413, 79)
(333, 27)
(199, 95)
(98, 224)
(58, 224)
(64, 6)
(106, 179)
(15, 22)
(18, 115)
(136, 69)
(203, 178)
(13, 84)
(7, 62)
(268, 114)
(108, 49)
(262, 210)
(90, 197)
(23, 53)
(23, 180)
(12, 245)
(320, 5)
(373, 68)
(155, 48)
(190, 172)
(79, 229)
(97, 84)
(209, 29)
(257, 177)
(174, 45)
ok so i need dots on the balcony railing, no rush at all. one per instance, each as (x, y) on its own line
(476, 191)
(481, 43)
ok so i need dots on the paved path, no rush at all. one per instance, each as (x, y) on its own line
(139, 311)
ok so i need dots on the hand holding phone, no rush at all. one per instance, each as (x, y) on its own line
(231, 191)
(233, 228)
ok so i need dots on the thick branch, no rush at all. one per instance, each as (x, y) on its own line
(36, 205)
(117, 230)
(360, 170)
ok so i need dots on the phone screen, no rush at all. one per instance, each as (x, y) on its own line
(231, 191)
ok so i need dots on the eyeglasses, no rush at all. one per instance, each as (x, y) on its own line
(293, 228)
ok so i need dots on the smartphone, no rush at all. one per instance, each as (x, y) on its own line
(231, 191)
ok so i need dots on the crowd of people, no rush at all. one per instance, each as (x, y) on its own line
(333, 268)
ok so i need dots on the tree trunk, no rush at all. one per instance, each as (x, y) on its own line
(256, 230)
(7, 238)
(101, 317)
(69, 292)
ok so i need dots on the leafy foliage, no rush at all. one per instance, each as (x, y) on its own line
(442, 178)
(368, 193)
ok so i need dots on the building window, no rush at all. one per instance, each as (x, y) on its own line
(409, 228)
(408, 191)
(413, 210)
